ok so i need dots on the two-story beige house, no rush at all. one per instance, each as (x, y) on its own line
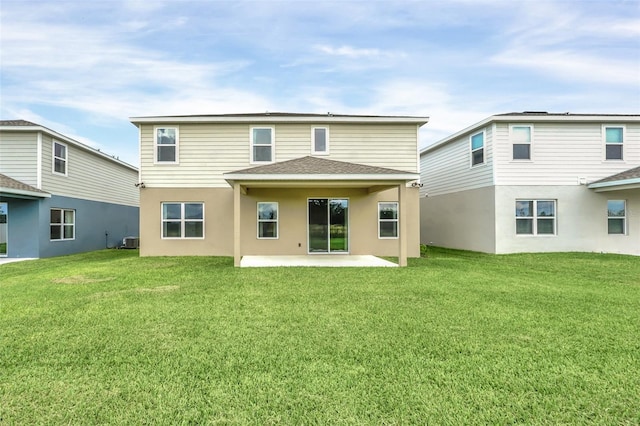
(535, 182)
(279, 184)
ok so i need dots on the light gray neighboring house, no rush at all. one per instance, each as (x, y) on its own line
(59, 196)
(535, 182)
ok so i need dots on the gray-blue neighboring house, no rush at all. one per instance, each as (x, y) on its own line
(59, 196)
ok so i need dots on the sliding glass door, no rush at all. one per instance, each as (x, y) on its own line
(328, 225)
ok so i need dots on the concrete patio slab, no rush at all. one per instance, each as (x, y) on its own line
(4, 260)
(333, 260)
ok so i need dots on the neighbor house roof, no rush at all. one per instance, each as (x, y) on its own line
(534, 117)
(318, 169)
(281, 117)
(28, 126)
(628, 179)
(11, 186)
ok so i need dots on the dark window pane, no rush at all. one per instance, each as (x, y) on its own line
(267, 230)
(388, 211)
(167, 153)
(59, 166)
(546, 226)
(193, 230)
(193, 211)
(262, 153)
(56, 232)
(60, 151)
(524, 226)
(171, 211)
(56, 216)
(616, 226)
(478, 157)
(521, 152)
(389, 229)
(171, 230)
(614, 152)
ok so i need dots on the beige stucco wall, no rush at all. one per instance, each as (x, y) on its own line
(461, 220)
(218, 241)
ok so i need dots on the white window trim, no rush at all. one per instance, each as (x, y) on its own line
(53, 158)
(273, 144)
(155, 145)
(624, 218)
(397, 220)
(484, 148)
(182, 220)
(531, 140)
(313, 140)
(604, 141)
(62, 224)
(277, 220)
(535, 218)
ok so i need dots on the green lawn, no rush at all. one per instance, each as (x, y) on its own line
(455, 338)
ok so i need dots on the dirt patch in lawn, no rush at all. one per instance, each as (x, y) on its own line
(81, 279)
(160, 289)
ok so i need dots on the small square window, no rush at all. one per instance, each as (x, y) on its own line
(182, 220)
(62, 223)
(535, 217)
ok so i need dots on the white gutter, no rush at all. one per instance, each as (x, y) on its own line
(625, 182)
(4, 190)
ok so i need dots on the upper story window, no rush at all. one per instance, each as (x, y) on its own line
(521, 137)
(616, 216)
(613, 141)
(262, 144)
(320, 140)
(59, 158)
(477, 149)
(182, 220)
(267, 220)
(535, 217)
(166, 144)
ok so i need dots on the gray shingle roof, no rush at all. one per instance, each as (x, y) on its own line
(626, 175)
(320, 166)
(10, 183)
(16, 123)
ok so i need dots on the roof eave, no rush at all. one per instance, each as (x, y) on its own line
(231, 178)
(615, 185)
(264, 119)
(23, 192)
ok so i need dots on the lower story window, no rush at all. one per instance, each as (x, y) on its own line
(62, 224)
(388, 220)
(182, 220)
(268, 220)
(535, 217)
(616, 216)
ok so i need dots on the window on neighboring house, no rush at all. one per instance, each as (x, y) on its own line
(614, 138)
(268, 220)
(59, 158)
(477, 149)
(521, 140)
(388, 220)
(182, 220)
(320, 140)
(262, 144)
(616, 216)
(166, 141)
(535, 217)
(62, 224)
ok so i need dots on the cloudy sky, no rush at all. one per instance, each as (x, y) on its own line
(83, 68)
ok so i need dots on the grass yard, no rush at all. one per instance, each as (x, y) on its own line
(455, 338)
